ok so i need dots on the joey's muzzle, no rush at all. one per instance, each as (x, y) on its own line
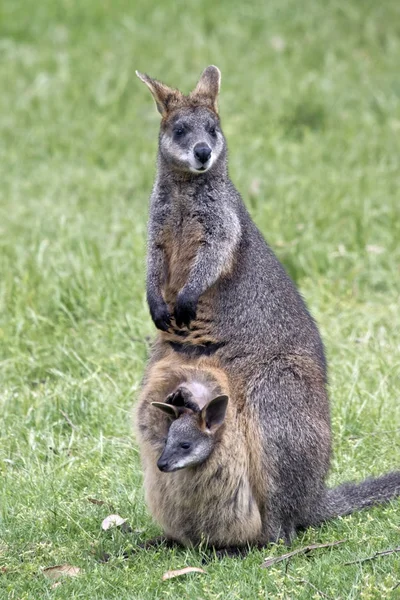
(162, 464)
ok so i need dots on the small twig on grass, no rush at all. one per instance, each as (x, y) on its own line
(66, 417)
(314, 587)
(275, 559)
(376, 555)
(396, 586)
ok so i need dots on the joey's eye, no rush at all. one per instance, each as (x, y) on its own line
(212, 131)
(179, 131)
(185, 445)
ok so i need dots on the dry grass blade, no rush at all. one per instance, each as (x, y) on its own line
(376, 555)
(61, 571)
(275, 559)
(66, 417)
(179, 572)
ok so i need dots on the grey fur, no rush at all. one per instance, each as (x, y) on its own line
(229, 298)
(191, 436)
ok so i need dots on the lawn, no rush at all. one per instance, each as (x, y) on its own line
(310, 106)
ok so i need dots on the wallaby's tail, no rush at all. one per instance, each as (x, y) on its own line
(349, 497)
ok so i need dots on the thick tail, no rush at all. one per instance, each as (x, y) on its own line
(350, 497)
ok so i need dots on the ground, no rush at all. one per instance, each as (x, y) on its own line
(310, 106)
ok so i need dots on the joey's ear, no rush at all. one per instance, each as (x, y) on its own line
(178, 397)
(171, 411)
(162, 94)
(213, 414)
(208, 86)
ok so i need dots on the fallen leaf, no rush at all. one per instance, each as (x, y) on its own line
(179, 572)
(112, 521)
(268, 562)
(55, 585)
(95, 501)
(60, 571)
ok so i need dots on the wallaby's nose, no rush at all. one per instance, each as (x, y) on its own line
(202, 152)
(162, 464)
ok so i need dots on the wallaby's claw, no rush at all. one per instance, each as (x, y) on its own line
(185, 309)
(160, 315)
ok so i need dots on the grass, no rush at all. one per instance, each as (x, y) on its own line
(311, 109)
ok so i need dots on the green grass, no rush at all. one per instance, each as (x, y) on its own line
(311, 109)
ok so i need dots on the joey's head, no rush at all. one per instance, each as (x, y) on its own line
(193, 433)
(191, 138)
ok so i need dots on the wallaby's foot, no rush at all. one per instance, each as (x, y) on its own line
(185, 309)
(160, 314)
(285, 532)
(228, 552)
(157, 542)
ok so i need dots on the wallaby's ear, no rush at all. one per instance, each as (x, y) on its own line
(208, 86)
(171, 411)
(213, 414)
(162, 94)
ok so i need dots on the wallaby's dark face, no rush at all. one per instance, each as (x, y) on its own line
(192, 435)
(190, 136)
(191, 139)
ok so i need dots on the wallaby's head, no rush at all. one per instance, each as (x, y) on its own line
(190, 135)
(193, 432)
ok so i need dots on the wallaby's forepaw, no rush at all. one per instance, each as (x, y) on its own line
(160, 314)
(185, 309)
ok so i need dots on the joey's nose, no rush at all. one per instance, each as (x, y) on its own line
(202, 152)
(162, 464)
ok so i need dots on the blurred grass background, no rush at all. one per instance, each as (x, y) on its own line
(310, 105)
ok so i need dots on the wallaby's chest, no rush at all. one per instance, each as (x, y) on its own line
(181, 236)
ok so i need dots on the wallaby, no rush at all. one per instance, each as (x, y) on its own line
(196, 458)
(217, 293)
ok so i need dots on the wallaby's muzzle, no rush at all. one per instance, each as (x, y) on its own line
(202, 152)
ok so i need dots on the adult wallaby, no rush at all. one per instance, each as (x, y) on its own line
(216, 292)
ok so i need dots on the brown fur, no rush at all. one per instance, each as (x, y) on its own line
(181, 248)
(218, 500)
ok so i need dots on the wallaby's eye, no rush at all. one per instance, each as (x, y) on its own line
(179, 131)
(212, 131)
(185, 445)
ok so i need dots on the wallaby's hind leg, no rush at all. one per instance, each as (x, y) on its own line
(289, 406)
